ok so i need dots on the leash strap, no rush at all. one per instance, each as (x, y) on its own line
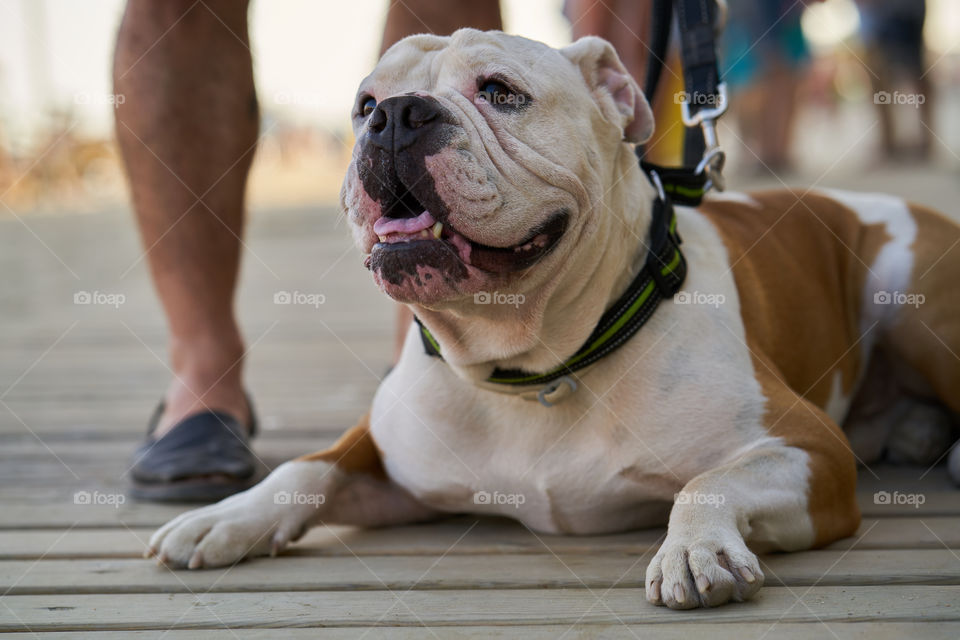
(705, 96)
(697, 20)
(661, 277)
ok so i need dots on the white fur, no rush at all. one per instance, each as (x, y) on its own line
(839, 402)
(893, 268)
(255, 522)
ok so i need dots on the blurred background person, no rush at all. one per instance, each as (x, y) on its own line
(892, 33)
(764, 60)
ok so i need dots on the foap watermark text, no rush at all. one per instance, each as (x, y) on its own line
(895, 498)
(495, 297)
(297, 497)
(899, 298)
(695, 497)
(897, 97)
(299, 297)
(512, 499)
(96, 498)
(99, 298)
(699, 298)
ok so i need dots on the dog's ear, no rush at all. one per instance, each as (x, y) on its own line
(616, 92)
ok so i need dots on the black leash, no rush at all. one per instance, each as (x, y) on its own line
(705, 97)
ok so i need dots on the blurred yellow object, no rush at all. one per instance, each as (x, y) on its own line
(666, 146)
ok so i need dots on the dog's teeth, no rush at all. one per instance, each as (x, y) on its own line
(424, 234)
(437, 230)
(383, 238)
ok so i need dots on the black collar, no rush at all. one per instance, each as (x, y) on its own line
(661, 277)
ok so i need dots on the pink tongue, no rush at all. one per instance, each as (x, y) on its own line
(384, 225)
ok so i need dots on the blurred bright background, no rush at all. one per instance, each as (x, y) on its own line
(56, 102)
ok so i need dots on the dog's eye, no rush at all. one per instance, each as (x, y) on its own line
(367, 106)
(500, 95)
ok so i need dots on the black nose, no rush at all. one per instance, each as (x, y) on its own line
(400, 121)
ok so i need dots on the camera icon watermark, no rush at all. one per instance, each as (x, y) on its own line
(897, 97)
(495, 297)
(96, 498)
(497, 498)
(896, 498)
(99, 298)
(298, 297)
(899, 298)
(297, 497)
(698, 298)
(715, 500)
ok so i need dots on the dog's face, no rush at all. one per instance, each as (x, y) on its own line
(480, 158)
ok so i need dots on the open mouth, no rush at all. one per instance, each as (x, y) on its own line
(425, 234)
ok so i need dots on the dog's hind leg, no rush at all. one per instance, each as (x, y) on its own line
(345, 484)
(923, 329)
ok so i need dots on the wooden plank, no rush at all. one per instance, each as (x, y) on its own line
(489, 535)
(504, 571)
(51, 474)
(920, 504)
(726, 631)
(456, 608)
(904, 533)
(26, 514)
(25, 511)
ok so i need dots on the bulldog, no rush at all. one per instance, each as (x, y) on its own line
(494, 188)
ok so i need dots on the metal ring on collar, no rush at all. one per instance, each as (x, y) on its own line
(553, 387)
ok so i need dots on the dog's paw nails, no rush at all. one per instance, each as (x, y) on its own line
(149, 552)
(653, 591)
(196, 561)
(704, 571)
(703, 584)
(679, 593)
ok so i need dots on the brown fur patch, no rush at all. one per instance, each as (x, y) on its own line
(801, 267)
(927, 337)
(354, 452)
(831, 496)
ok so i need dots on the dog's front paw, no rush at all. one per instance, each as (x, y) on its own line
(256, 522)
(703, 571)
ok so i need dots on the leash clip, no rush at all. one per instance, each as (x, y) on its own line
(553, 387)
(713, 156)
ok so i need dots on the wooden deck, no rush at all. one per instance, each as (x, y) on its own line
(78, 381)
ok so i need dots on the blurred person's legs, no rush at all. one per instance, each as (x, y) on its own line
(187, 132)
(441, 17)
(766, 53)
(893, 35)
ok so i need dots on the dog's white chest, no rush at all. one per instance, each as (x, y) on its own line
(679, 398)
(584, 482)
